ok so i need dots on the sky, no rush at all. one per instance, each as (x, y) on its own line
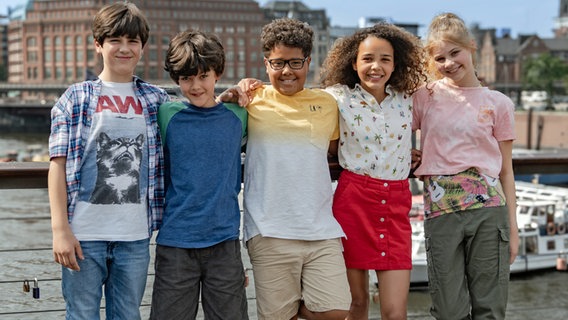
(521, 16)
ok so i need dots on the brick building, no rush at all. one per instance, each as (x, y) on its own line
(52, 41)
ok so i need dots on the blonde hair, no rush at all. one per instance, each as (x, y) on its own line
(450, 28)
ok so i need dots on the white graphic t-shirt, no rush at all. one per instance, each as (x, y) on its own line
(112, 203)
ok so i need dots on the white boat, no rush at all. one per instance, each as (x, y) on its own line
(534, 99)
(542, 216)
(419, 272)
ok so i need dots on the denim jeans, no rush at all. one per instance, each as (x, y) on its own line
(120, 267)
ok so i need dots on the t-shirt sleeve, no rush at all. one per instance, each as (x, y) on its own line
(60, 123)
(242, 114)
(165, 113)
(418, 101)
(505, 120)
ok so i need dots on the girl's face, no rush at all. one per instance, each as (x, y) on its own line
(374, 65)
(455, 63)
(200, 88)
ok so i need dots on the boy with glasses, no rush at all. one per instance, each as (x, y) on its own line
(292, 237)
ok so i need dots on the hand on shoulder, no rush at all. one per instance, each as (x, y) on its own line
(241, 93)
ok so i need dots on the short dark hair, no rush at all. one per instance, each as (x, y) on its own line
(120, 19)
(287, 32)
(193, 51)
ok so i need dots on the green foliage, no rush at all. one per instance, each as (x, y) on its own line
(543, 73)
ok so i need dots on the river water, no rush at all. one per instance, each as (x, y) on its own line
(25, 242)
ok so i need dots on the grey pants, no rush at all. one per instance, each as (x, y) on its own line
(216, 272)
(468, 263)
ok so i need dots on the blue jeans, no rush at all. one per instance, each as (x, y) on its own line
(121, 268)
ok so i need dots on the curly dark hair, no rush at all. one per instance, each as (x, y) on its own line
(408, 73)
(288, 32)
(191, 52)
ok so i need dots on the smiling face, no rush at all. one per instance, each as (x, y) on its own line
(120, 56)
(455, 63)
(200, 88)
(287, 81)
(374, 65)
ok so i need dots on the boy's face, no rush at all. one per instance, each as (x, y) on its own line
(120, 56)
(290, 79)
(200, 88)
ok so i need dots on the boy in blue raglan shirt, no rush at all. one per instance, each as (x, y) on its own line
(198, 253)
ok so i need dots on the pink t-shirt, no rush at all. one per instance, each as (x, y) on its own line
(461, 128)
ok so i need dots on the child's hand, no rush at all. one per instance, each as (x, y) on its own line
(416, 158)
(234, 95)
(67, 249)
(248, 85)
(246, 277)
(241, 93)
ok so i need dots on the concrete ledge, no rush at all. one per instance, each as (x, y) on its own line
(23, 175)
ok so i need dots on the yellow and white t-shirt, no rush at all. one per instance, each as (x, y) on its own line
(288, 192)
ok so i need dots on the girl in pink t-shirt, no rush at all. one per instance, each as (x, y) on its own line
(466, 139)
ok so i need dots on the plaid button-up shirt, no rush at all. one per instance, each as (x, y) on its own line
(71, 119)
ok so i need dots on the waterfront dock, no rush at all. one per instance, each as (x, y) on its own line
(25, 238)
(25, 253)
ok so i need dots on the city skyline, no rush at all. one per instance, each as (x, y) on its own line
(520, 16)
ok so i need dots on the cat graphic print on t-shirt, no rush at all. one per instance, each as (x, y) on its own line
(118, 170)
(114, 171)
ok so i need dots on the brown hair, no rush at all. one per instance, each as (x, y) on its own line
(120, 19)
(287, 32)
(191, 52)
(451, 28)
(408, 73)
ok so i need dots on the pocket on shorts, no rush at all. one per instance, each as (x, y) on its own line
(504, 254)
(432, 276)
(251, 245)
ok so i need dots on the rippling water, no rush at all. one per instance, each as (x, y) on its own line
(25, 242)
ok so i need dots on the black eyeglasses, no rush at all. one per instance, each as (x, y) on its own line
(279, 64)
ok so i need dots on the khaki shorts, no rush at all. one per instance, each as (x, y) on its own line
(287, 271)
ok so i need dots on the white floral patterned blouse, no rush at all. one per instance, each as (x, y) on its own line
(375, 138)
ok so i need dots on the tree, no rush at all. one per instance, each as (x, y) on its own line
(542, 73)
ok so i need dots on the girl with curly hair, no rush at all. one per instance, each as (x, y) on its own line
(373, 74)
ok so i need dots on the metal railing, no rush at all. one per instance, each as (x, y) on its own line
(33, 175)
